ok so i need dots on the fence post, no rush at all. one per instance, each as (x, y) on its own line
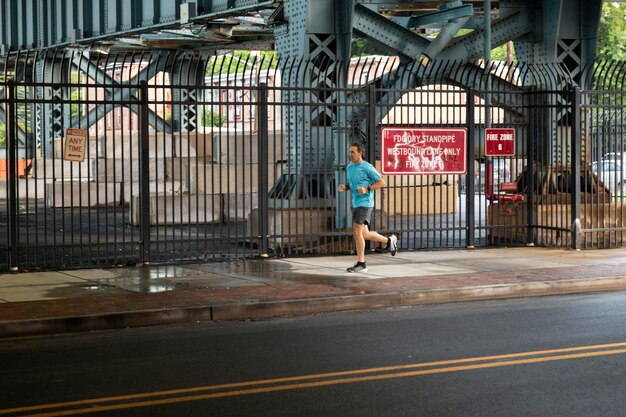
(370, 150)
(469, 177)
(530, 166)
(12, 173)
(263, 194)
(144, 177)
(575, 146)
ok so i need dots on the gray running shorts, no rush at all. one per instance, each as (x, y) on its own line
(361, 215)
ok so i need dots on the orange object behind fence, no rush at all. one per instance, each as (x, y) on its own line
(22, 164)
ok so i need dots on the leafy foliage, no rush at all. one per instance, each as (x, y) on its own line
(212, 119)
(241, 61)
(612, 32)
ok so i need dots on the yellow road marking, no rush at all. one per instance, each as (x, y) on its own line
(333, 378)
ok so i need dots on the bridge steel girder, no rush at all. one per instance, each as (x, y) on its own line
(470, 47)
(388, 34)
(39, 24)
(433, 18)
(84, 64)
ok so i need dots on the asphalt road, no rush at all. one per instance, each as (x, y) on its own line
(553, 356)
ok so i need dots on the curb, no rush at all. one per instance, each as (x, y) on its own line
(272, 309)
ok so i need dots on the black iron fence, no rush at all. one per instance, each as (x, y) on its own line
(135, 158)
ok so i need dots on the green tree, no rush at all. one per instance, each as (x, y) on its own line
(212, 119)
(612, 32)
(363, 47)
(3, 134)
(241, 61)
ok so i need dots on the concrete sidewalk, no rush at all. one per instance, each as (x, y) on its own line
(82, 300)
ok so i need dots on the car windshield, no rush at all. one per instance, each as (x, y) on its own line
(605, 166)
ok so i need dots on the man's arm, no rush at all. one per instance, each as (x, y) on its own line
(378, 184)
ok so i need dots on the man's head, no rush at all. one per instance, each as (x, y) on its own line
(356, 152)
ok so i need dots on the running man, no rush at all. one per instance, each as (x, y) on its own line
(363, 179)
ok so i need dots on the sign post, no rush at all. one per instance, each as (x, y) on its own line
(75, 145)
(423, 151)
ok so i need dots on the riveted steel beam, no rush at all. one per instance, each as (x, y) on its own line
(387, 34)
(435, 17)
(115, 95)
(471, 46)
(38, 24)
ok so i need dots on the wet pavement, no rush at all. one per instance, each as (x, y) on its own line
(96, 299)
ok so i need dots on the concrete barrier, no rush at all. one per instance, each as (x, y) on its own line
(175, 209)
(125, 169)
(201, 178)
(82, 194)
(55, 169)
(27, 189)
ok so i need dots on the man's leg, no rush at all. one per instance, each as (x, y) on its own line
(359, 230)
(375, 236)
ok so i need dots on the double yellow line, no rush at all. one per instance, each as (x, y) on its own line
(156, 398)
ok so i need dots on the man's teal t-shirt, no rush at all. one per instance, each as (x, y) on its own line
(362, 175)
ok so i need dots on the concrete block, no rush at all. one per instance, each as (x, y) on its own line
(156, 187)
(55, 169)
(160, 145)
(237, 206)
(242, 147)
(82, 194)
(179, 209)
(200, 142)
(126, 169)
(203, 178)
(433, 199)
(293, 227)
(27, 189)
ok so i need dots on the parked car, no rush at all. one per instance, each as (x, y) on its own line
(611, 173)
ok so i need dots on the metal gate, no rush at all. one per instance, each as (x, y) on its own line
(178, 170)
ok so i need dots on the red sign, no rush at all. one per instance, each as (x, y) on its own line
(499, 142)
(423, 151)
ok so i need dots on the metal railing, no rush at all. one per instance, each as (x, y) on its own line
(217, 169)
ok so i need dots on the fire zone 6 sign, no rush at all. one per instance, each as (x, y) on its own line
(423, 151)
(499, 142)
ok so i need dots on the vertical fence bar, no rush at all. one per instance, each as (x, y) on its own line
(144, 177)
(576, 168)
(530, 180)
(263, 138)
(12, 173)
(469, 183)
(371, 140)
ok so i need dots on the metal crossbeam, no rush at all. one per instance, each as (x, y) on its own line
(470, 47)
(30, 24)
(21, 135)
(118, 92)
(388, 34)
(435, 17)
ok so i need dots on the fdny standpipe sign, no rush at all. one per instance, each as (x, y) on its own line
(423, 151)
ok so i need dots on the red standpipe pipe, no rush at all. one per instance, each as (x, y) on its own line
(488, 181)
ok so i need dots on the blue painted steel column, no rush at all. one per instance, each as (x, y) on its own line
(187, 74)
(319, 33)
(54, 115)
